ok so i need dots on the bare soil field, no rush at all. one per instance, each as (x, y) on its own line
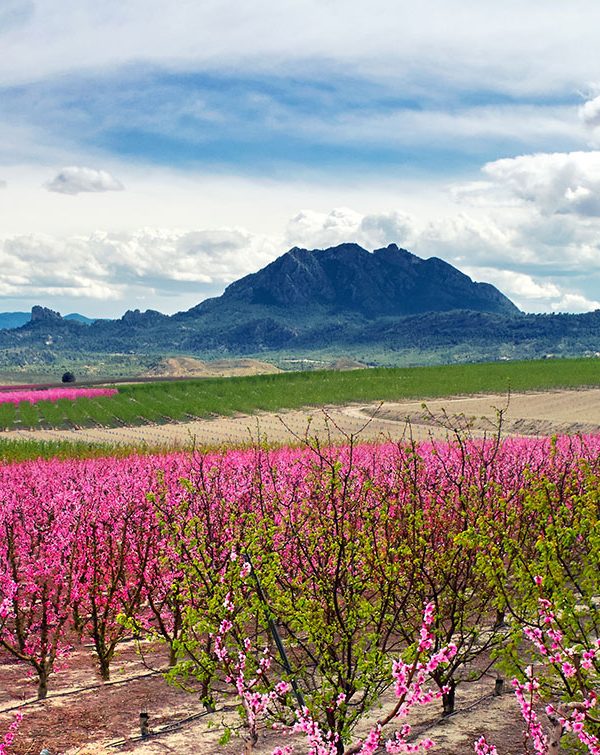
(83, 716)
(190, 367)
(543, 413)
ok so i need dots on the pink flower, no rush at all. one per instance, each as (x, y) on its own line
(483, 748)
(245, 570)
(568, 669)
(225, 626)
(228, 603)
(282, 688)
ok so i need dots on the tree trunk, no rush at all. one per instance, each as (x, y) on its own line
(104, 665)
(42, 683)
(206, 696)
(78, 621)
(448, 698)
(555, 735)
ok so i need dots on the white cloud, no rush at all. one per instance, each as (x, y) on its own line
(543, 125)
(37, 266)
(161, 256)
(524, 290)
(381, 229)
(3, 184)
(533, 294)
(514, 45)
(575, 303)
(318, 230)
(77, 179)
(558, 182)
(589, 112)
(464, 239)
(482, 194)
(183, 267)
(312, 229)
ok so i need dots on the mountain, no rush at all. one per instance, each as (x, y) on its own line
(11, 320)
(80, 318)
(388, 282)
(341, 300)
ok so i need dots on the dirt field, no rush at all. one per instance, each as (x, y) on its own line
(83, 716)
(190, 367)
(575, 411)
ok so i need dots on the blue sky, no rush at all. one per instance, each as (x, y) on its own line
(269, 124)
(151, 154)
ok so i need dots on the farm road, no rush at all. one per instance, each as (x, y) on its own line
(543, 413)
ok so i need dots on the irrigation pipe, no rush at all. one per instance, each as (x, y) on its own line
(170, 727)
(78, 690)
(175, 725)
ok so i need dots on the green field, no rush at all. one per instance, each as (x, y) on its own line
(185, 400)
(23, 449)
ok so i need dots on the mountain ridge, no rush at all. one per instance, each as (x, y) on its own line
(348, 278)
(12, 320)
(343, 300)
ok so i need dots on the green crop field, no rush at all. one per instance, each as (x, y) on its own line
(15, 450)
(185, 400)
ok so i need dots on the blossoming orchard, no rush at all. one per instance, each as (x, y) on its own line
(306, 583)
(53, 394)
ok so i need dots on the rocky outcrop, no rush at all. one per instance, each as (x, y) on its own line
(43, 314)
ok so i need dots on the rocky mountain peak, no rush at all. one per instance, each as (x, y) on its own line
(43, 314)
(347, 278)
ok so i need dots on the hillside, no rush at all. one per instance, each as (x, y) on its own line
(190, 367)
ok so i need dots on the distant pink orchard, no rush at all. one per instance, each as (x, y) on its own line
(54, 394)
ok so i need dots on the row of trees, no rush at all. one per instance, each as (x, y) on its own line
(331, 552)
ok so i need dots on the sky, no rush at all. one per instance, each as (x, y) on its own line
(152, 152)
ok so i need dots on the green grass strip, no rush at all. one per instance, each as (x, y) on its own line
(25, 450)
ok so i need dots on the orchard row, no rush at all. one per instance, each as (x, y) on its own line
(334, 552)
(53, 394)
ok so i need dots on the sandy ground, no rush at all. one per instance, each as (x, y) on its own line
(573, 411)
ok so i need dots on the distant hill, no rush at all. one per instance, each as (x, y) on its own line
(343, 300)
(10, 320)
(80, 318)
